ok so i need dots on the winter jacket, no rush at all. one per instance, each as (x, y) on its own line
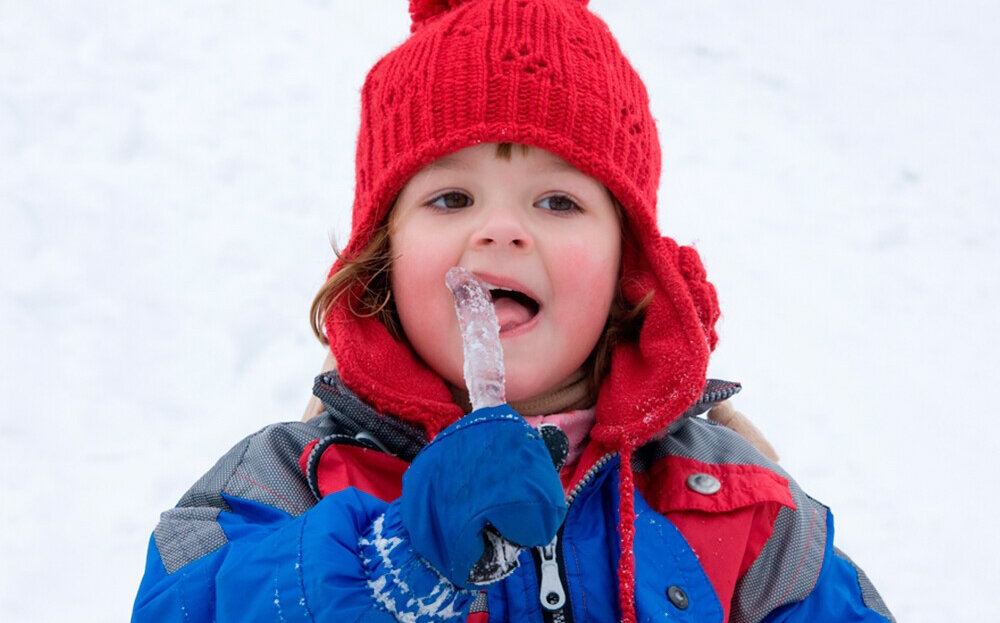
(721, 533)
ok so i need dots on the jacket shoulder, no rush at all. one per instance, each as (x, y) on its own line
(787, 529)
(262, 468)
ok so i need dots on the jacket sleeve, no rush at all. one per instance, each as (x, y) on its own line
(249, 543)
(797, 574)
(841, 592)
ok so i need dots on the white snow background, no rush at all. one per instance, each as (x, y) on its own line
(170, 172)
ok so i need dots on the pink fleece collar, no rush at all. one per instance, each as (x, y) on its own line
(575, 424)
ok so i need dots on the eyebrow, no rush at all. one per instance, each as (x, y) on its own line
(560, 165)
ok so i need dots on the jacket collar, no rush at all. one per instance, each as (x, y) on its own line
(403, 439)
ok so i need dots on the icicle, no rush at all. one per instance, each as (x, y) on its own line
(484, 371)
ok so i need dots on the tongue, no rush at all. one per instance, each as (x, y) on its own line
(510, 313)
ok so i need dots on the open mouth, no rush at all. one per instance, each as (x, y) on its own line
(513, 308)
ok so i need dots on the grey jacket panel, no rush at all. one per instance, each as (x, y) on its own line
(264, 468)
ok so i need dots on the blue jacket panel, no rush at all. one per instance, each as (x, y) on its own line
(274, 568)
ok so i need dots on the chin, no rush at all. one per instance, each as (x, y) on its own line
(525, 386)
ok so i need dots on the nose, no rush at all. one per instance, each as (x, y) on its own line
(502, 228)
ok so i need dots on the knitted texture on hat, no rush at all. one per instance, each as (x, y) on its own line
(546, 73)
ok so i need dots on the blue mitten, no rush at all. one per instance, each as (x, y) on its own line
(483, 489)
(488, 475)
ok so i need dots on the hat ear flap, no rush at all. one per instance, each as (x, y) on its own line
(656, 378)
(702, 292)
(639, 278)
(364, 350)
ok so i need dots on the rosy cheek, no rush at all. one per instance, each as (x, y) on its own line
(586, 269)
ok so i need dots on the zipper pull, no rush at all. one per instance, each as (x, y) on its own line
(552, 594)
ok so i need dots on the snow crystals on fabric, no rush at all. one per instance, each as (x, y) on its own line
(392, 567)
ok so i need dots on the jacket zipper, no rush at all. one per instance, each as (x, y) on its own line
(709, 398)
(551, 590)
(551, 565)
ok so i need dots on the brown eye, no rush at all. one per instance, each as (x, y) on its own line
(451, 200)
(558, 203)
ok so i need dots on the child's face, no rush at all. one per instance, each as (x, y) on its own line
(534, 224)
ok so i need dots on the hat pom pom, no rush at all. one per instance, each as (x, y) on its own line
(423, 10)
(702, 292)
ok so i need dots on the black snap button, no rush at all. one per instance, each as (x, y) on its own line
(677, 597)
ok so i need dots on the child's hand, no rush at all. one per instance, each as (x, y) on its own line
(725, 414)
(488, 469)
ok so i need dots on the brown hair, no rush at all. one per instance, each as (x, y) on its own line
(366, 282)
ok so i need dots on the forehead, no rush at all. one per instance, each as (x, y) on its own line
(468, 158)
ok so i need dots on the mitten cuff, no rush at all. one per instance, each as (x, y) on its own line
(402, 582)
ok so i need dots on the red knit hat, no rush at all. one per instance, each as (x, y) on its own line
(546, 73)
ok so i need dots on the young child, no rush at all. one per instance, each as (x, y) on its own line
(511, 138)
